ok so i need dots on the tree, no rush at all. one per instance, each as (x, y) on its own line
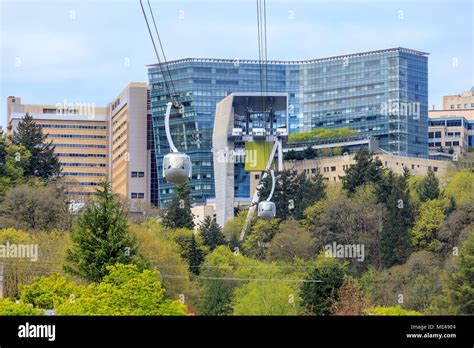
(428, 188)
(365, 170)
(191, 252)
(394, 239)
(178, 212)
(125, 290)
(350, 300)
(100, 238)
(35, 208)
(321, 286)
(14, 159)
(49, 292)
(257, 241)
(293, 192)
(291, 241)
(211, 233)
(461, 186)
(217, 295)
(424, 234)
(10, 308)
(43, 162)
(459, 289)
(266, 298)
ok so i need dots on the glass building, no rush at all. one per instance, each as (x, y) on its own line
(380, 93)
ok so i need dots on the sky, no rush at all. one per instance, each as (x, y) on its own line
(86, 51)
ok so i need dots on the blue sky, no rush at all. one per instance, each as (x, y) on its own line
(87, 51)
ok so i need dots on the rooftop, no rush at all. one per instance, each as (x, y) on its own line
(317, 60)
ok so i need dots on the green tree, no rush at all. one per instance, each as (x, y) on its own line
(211, 233)
(43, 162)
(125, 290)
(394, 239)
(10, 308)
(365, 170)
(424, 234)
(35, 208)
(217, 294)
(266, 298)
(100, 238)
(178, 212)
(257, 241)
(292, 241)
(14, 159)
(191, 252)
(461, 186)
(459, 289)
(428, 188)
(49, 292)
(321, 286)
(293, 192)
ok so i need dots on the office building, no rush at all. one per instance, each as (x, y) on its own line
(79, 133)
(461, 101)
(452, 130)
(382, 94)
(94, 143)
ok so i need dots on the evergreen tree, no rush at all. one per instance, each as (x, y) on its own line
(366, 170)
(428, 188)
(191, 252)
(178, 212)
(100, 238)
(43, 162)
(293, 192)
(395, 237)
(321, 287)
(211, 233)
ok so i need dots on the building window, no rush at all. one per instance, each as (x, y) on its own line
(333, 169)
(435, 169)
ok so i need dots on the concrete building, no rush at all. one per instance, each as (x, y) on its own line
(93, 143)
(383, 94)
(79, 132)
(461, 101)
(129, 160)
(452, 130)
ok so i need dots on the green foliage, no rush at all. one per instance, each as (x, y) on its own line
(292, 241)
(49, 292)
(321, 134)
(394, 239)
(14, 159)
(10, 308)
(256, 242)
(211, 233)
(424, 234)
(428, 188)
(35, 208)
(43, 162)
(293, 192)
(191, 252)
(178, 212)
(125, 290)
(266, 298)
(391, 311)
(217, 294)
(460, 283)
(322, 285)
(365, 170)
(100, 238)
(461, 186)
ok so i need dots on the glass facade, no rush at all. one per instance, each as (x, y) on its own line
(380, 93)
